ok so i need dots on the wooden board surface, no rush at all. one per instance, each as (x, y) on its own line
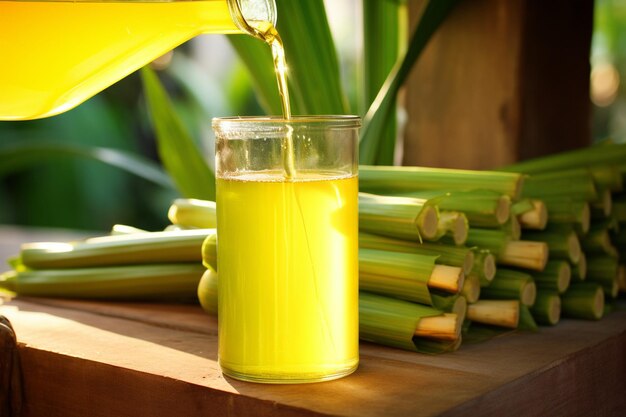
(122, 359)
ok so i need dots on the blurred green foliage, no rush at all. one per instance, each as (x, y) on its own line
(608, 78)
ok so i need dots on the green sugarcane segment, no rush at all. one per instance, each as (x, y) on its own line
(536, 218)
(472, 287)
(547, 308)
(491, 239)
(511, 285)
(560, 245)
(483, 208)
(608, 177)
(452, 225)
(136, 248)
(556, 276)
(579, 270)
(603, 270)
(526, 319)
(584, 300)
(396, 274)
(614, 154)
(399, 217)
(397, 179)
(129, 282)
(209, 251)
(456, 304)
(598, 242)
(447, 254)
(501, 313)
(484, 266)
(577, 184)
(393, 322)
(522, 254)
(513, 228)
(566, 210)
(189, 212)
(522, 206)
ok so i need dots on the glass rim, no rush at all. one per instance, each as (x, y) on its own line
(347, 121)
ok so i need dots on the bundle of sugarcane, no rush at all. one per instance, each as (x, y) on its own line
(583, 191)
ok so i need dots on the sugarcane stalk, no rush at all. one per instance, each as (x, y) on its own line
(576, 183)
(483, 208)
(447, 254)
(396, 179)
(128, 282)
(613, 154)
(523, 254)
(123, 229)
(471, 288)
(547, 308)
(501, 313)
(536, 218)
(126, 249)
(484, 266)
(395, 323)
(193, 213)
(561, 245)
(566, 211)
(598, 242)
(603, 270)
(511, 285)
(583, 300)
(456, 304)
(399, 217)
(406, 276)
(556, 276)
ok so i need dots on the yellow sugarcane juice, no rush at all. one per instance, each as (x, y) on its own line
(288, 255)
(56, 54)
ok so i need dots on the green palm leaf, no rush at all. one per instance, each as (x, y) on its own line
(178, 152)
(373, 139)
(17, 156)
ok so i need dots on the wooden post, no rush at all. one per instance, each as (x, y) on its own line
(501, 81)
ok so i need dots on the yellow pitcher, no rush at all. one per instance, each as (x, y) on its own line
(56, 54)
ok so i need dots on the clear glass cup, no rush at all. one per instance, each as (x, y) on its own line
(287, 212)
(58, 53)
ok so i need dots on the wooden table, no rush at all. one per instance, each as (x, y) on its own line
(123, 359)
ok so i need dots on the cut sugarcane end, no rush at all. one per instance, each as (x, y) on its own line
(471, 288)
(468, 264)
(515, 228)
(444, 327)
(503, 210)
(573, 247)
(564, 278)
(598, 304)
(489, 267)
(460, 229)
(446, 278)
(427, 222)
(525, 254)
(554, 310)
(529, 294)
(503, 313)
(537, 218)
